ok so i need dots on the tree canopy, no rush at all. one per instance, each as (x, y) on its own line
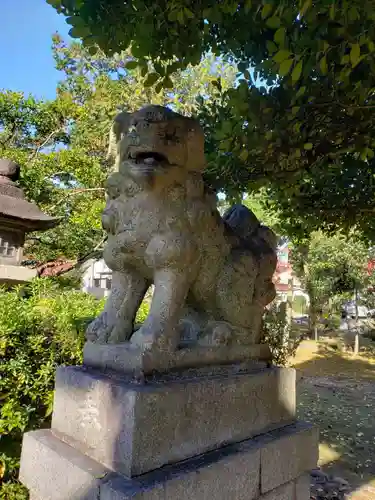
(331, 266)
(61, 144)
(300, 118)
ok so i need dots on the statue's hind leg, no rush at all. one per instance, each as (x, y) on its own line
(235, 297)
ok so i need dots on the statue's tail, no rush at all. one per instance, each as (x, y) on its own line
(244, 223)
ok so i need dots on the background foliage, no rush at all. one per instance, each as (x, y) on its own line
(61, 144)
(300, 119)
(331, 268)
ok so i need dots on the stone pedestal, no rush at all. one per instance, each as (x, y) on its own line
(225, 433)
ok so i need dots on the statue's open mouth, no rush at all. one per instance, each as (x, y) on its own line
(150, 158)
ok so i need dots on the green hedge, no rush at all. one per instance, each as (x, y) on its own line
(41, 326)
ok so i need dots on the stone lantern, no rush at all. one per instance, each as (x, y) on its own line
(17, 217)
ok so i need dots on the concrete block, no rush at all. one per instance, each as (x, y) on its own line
(221, 474)
(303, 487)
(288, 454)
(52, 470)
(55, 471)
(16, 275)
(133, 429)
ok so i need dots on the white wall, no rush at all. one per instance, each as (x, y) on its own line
(97, 278)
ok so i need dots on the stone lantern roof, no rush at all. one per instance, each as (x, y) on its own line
(17, 217)
(14, 208)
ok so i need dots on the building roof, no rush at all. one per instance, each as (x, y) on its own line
(14, 208)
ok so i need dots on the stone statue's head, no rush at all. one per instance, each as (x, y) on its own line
(155, 138)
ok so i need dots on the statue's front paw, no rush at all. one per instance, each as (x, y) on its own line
(153, 337)
(104, 331)
(96, 331)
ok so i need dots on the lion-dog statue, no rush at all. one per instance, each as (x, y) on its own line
(212, 275)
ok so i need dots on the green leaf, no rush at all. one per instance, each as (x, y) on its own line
(332, 11)
(279, 36)
(271, 47)
(308, 146)
(74, 32)
(281, 55)
(151, 79)
(244, 155)
(301, 91)
(137, 51)
(131, 65)
(355, 54)
(266, 11)
(248, 5)
(345, 59)
(180, 17)
(159, 68)
(172, 16)
(296, 73)
(167, 83)
(323, 65)
(172, 68)
(285, 67)
(92, 50)
(242, 66)
(188, 13)
(273, 22)
(305, 6)
(159, 87)
(217, 83)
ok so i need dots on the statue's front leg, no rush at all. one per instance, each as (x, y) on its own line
(161, 326)
(115, 323)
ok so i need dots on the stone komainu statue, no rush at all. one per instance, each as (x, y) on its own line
(212, 275)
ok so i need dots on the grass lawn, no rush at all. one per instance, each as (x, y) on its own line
(337, 392)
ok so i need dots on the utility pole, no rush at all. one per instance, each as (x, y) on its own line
(356, 338)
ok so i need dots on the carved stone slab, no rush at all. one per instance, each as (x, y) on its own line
(134, 428)
(128, 358)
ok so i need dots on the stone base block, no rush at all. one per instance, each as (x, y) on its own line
(132, 428)
(54, 470)
(16, 275)
(128, 358)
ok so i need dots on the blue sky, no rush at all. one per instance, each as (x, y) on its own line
(26, 62)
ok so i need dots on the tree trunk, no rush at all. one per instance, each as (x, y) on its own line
(313, 324)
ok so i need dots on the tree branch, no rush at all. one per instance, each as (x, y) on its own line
(41, 146)
(73, 193)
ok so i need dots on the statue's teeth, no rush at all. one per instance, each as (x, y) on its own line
(149, 160)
